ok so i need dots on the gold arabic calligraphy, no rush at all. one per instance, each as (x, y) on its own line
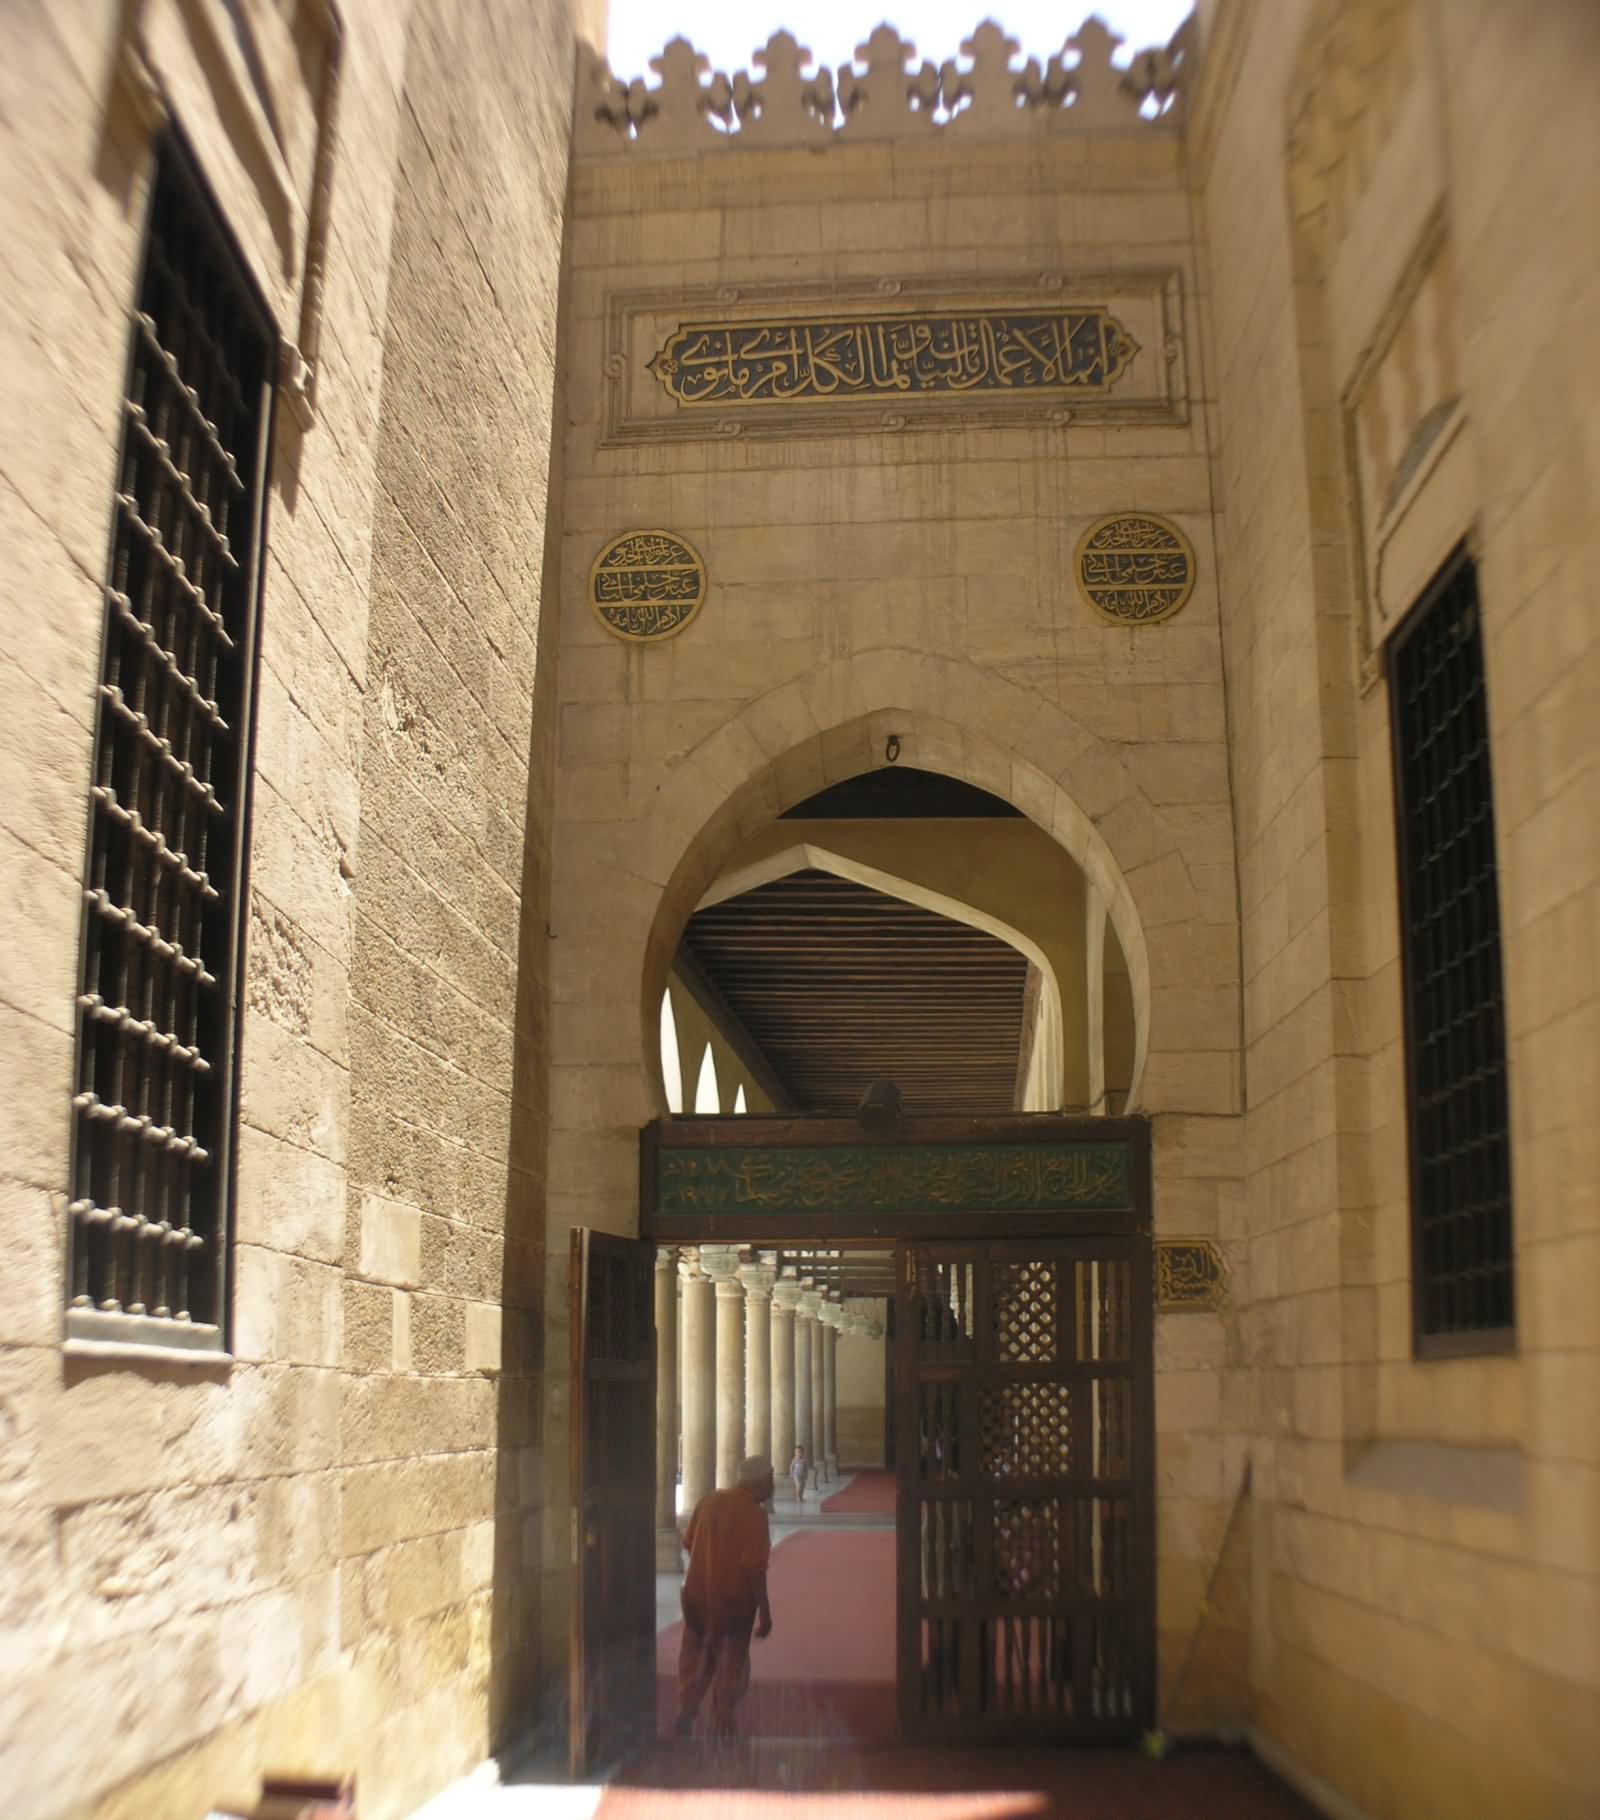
(646, 584)
(1189, 1274)
(1135, 568)
(846, 1179)
(843, 357)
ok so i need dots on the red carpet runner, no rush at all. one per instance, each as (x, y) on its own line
(827, 1670)
(869, 1494)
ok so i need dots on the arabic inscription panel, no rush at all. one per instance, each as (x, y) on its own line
(712, 363)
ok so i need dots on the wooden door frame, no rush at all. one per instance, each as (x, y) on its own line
(981, 1256)
(718, 1194)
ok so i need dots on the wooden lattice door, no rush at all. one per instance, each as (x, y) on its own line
(1026, 1467)
(612, 1663)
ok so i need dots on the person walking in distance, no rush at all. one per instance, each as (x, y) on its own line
(797, 1472)
(724, 1597)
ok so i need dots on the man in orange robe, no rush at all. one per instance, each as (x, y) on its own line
(724, 1596)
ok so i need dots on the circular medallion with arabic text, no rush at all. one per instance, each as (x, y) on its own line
(646, 585)
(1134, 568)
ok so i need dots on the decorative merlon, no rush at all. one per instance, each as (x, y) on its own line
(886, 94)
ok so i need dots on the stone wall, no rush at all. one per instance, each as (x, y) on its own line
(1424, 1531)
(287, 1559)
(346, 1544)
(445, 1242)
(859, 1381)
(895, 580)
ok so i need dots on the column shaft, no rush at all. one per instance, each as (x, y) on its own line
(757, 1282)
(830, 1399)
(699, 1385)
(804, 1328)
(730, 1381)
(783, 1325)
(819, 1453)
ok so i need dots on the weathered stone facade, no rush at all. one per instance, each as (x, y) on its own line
(1357, 255)
(290, 1558)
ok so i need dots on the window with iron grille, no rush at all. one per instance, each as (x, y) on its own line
(164, 877)
(1450, 957)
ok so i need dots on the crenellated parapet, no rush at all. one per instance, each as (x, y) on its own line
(885, 94)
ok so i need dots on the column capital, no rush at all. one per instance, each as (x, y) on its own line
(666, 1257)
(831, 1315)
(689, 1265)
(720, 1263)
(759, 1281)
(786, 1295)
(810, 1304)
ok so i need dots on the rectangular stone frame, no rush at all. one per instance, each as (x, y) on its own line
(1158, 289)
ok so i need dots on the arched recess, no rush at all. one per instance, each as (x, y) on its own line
(774, 753)
(803, 854)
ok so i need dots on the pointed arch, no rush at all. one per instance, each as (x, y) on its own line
(671, 1066)
(786, 745)
(707, 1094)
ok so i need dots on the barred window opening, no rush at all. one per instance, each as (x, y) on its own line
(152, 1115)
(1451, 964)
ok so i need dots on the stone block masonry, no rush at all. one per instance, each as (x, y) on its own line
(290, 1558)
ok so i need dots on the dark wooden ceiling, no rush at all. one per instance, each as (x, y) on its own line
(840, 985)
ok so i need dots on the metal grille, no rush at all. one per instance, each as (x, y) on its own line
(1450, 952)
(163, 883)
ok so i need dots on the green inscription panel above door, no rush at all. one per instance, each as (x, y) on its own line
(888, 1179)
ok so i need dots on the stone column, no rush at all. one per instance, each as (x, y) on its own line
(699, 1367)
(785, 1299)
(669, 1556)
(805, 1325)
(758, 1279)
(811, 1429)
(832, 1314)
(721, 1264)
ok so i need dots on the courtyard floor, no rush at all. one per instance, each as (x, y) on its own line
(821, 1711)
